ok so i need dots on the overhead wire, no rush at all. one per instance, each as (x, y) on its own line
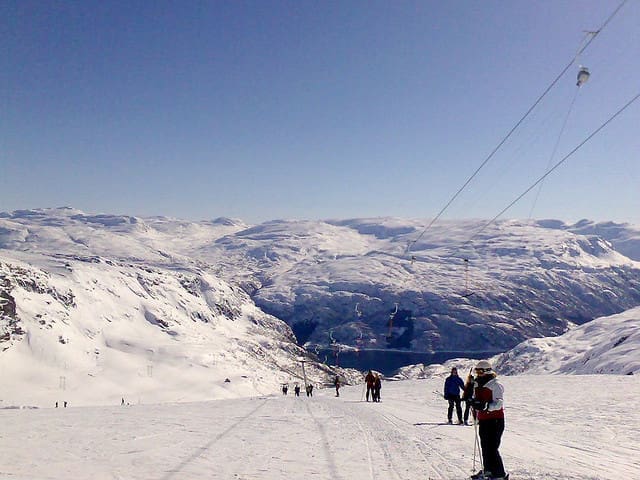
(536, 136)
(588, 39)
(551, 170)
(555, 149)
(586, 42)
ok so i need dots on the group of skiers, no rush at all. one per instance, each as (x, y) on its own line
(452, 386)
(484, 395)
(296, 389)
(374, 384)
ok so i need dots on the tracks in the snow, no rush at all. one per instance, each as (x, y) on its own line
(175, 472)
(385, 446)
(437, 463)
(393, 445)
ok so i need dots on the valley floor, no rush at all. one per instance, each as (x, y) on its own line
(558, 427)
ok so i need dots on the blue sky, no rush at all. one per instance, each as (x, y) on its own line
(300, 109)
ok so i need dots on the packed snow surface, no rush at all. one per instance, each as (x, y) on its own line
(557, 428)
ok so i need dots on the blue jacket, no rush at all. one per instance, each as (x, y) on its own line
(452, 386)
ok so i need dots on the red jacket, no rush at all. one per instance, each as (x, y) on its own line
(491, 392)
(370, 379)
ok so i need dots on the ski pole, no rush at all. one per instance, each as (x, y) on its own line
(475, 445)
(476, 442)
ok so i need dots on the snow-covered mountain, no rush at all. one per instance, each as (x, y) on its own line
(605, 345)
(91, 314)
(353, 282)
(208, 293)
(98, 330)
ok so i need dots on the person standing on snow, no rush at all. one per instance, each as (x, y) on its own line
(467, 397)
(452, 386)
(377, 386)
(487, 402)
(370, 380)
(336, 382)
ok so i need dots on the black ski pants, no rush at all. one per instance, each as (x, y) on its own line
(376, 394)
(454, 399)
(490, 431)
(370, 390)
(467, 409)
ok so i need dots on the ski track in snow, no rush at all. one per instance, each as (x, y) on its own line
(557, 428)
(205, 449)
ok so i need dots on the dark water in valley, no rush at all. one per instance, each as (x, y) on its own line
(388, 361)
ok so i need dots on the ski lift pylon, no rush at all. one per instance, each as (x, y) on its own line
(467, 293)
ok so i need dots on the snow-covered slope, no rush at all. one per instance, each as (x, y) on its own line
(91, 330)
(557, 427)
(605, 345)
(624, 237)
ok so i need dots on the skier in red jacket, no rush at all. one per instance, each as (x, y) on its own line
(370, 380)
(487, 401)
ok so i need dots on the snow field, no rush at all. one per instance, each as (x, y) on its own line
(558, 427)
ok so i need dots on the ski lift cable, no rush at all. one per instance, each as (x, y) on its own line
(591, 37)
(551, 170)
(554, 151)
(594, 33)
(586, 42)
(525, 146)
(487, 159)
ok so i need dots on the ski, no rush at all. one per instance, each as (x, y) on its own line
(487, 477)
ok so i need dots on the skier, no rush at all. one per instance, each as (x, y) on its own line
(370, 380)
(377, 385)
(452, 386)
(488, 404)
(336, 382)
(310, 390)
(467, 397)
(296, 390)
(285, 388)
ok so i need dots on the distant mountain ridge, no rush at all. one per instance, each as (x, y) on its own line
(342, 285)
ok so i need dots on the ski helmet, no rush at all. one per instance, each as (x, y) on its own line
(483, 365)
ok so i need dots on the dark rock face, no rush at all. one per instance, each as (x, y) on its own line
(9, 321)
